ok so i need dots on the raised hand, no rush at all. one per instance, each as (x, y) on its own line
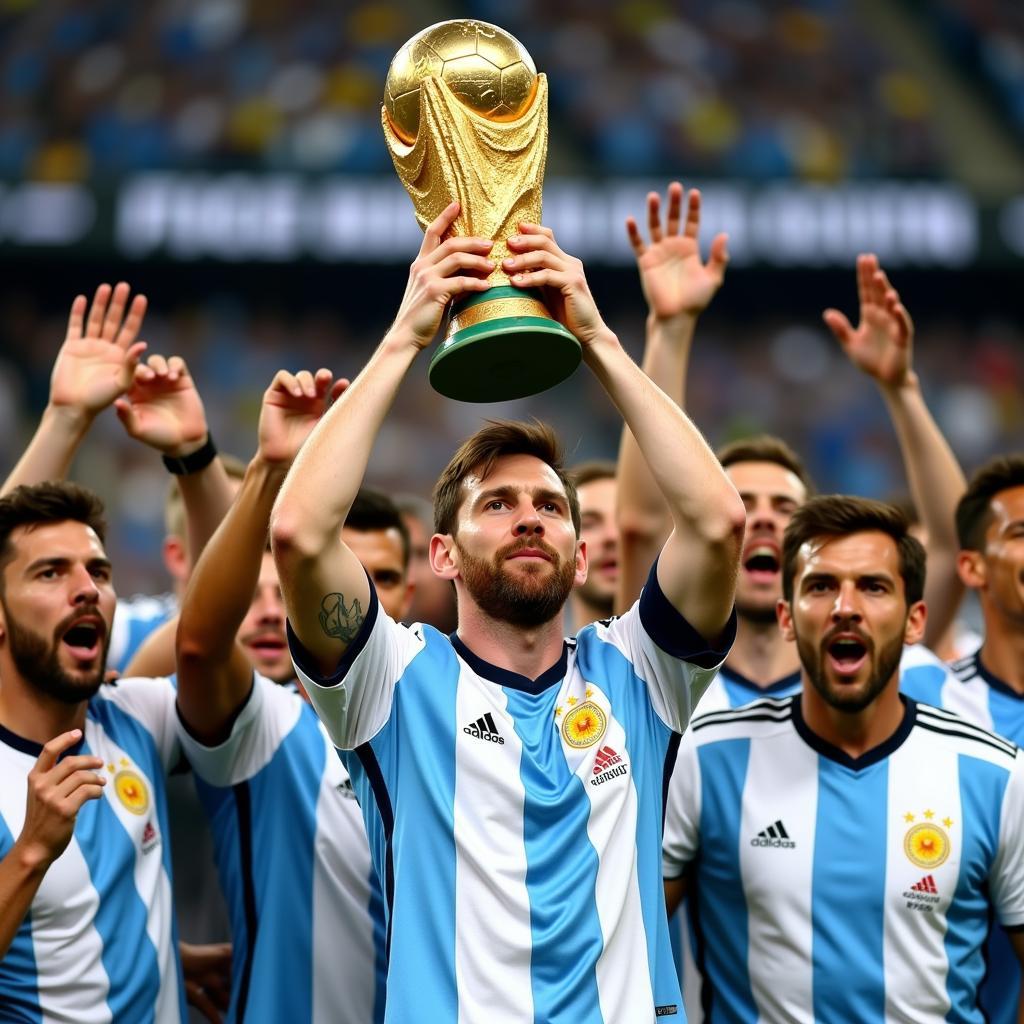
(675, 281)
(292, 405)
(538, 262)
(441, 271)
(100, 352)
(56, 792)
(163, 408)
(882, 343)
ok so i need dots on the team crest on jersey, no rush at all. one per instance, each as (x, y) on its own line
(150, 837)
(584, 725)
(927, 843)
(131, 791)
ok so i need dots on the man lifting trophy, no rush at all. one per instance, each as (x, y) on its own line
(465, 118)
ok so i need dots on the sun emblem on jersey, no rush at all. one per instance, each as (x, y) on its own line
(927, 845)
(132, 792)
(584, 725)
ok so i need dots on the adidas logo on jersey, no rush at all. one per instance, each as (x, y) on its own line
(346, 790)
(150, 837)
(923, 896)
(774, 836)
(607, 766)
(485, 729)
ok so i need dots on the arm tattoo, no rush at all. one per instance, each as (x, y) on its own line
(340, 620)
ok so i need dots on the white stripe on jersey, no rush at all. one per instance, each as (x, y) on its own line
(612, 830)
(490, 865)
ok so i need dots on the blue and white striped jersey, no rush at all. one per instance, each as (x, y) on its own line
(836, 890)
(99, 942)
(517, 822)
(307, 916)
(969, 689)
(134, 619)
(730, 689)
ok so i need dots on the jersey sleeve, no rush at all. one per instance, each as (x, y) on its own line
(151, 703)
(267, 717)
(1006, 882)
(671, 657)
(354, 702)
(681, 838)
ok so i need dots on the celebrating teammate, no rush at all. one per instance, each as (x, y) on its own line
(847, 846)
(594, 598)
(511, 783)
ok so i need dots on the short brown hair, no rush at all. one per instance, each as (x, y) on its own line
(839, 515)
(974, 510)
(54, 501)
(767, 448)
(374, 510)
(593, 469)
(174, 507)
(478, 454)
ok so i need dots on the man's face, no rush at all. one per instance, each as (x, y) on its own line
(600, 531)
(997, 572)
(515, 549)
(771, 494)
(849, 616)
(380, 554)
(57, 609)
(433, 600)
(262, 632)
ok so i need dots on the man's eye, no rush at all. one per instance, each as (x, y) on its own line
(497, 503)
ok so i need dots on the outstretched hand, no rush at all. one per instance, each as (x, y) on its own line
(292, 405)
(538, 262)
(881, 345)
(675, 281)
(100, 352)
(442, 270)
(163, 408)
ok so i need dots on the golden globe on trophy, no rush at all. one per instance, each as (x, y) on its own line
(465, 117)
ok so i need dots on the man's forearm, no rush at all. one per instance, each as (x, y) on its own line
(20, 877)
(207, 497)
(52, 449)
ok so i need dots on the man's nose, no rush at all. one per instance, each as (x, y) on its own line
(529, 522)
(85, 588)
(846, 606)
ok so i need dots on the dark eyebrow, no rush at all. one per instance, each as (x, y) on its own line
(818, 577)
(508, 491)
(876, 577)
(61, 563)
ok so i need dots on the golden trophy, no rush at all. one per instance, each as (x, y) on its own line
(465, 117)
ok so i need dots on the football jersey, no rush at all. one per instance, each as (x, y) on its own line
(730, 689)
(827, 889)
(134, 619)
(99, 942)
(306, 914)
(517, 822)
(969, 689)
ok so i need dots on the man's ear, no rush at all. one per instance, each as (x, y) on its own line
(971, 567)
(784, 615)
(916, 619)
(581, 563)
(444, 556)
(175, 554)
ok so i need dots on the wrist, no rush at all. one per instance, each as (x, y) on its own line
(32, 859)
(190, 457)
(909, 383)
(266, 468)
(679, 328)
(71, 418)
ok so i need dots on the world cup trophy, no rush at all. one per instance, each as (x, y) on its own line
(465, 117)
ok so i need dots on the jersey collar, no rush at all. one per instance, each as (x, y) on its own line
(869, 757)
(793, 679)
(30, 747)
(505, 677)
(994, 681)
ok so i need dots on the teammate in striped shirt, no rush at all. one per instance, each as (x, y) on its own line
(846, 847)
(521, 883)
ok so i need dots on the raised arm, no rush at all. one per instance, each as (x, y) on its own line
(93, 367)
(325, 588)
(214, 673)
(882, 346)
(678, 286)
(698, 563)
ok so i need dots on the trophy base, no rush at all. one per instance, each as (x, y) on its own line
(502, 344)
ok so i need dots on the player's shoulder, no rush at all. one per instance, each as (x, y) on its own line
(965, 669)
(138, 696)
(947, 729)
(757, 720)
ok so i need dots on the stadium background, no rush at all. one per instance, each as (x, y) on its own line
(226, 157)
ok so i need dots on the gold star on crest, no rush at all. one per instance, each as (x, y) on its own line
(558, 711)
(571, 700)
(908, 817)
(929, 815)
(125, 762)
(110, 768)
(948, 822)
(589, 693)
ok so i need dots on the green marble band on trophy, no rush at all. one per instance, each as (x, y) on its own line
(465, 117)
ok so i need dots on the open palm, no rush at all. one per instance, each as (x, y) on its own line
(163, 408)
(292, 407)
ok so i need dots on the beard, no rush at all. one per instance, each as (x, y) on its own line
(852, 698)
(525, 599)
(37, 660)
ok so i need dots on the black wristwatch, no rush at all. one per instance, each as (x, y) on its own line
(194, 461)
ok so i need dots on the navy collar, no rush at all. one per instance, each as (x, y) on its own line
(869, 757)
(780, 684)
(505, 677)
(994, 681)
(30, 747)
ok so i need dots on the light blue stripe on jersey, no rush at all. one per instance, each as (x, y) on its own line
(982, 786)
(849, 846)
(723, 773)
(19, 991)
(560, 867)
(924, 683)
(425, 883)
(742, 691)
